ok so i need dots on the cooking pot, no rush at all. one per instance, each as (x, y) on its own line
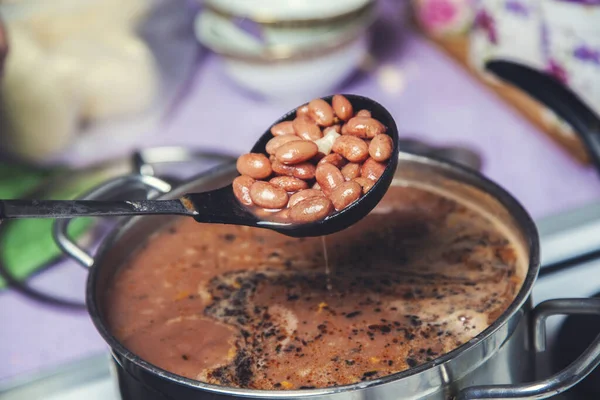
(497, 363)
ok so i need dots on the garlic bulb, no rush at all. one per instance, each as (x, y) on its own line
(72, 61)
(54, 21)
(38, 117)
(117, 76)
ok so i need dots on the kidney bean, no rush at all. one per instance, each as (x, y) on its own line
(380, 148)
(302, 111)
(328, 177)
(311, 209)
(241, 189)
(283, 215)
(351, 171)
(321, 112)
(307, 129)
(333, 158)
(342, 107)
(289, 183)
(283, 128)
(263, 194)
(303, 195)
(278, 141)
(254, 165)
(303, 170)
(296, 152)
(365, 183)
(282, 169)
(363, 127)
(345, 194)
(372, 169)
(316, 186)
(364, 113)
(351, 147)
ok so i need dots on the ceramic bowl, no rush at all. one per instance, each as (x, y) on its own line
(277, 12)
(282, 63)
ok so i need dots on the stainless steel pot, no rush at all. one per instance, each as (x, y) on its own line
(497, 363)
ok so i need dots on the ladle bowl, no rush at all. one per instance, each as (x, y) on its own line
(221, 205)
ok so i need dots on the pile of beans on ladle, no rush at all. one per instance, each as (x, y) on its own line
(319, 163)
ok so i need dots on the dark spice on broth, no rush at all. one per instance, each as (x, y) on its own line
(242, 307)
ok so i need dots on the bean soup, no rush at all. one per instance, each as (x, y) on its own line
(422, 274)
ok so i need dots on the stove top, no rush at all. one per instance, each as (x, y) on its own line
(570, 245)
(90, 379)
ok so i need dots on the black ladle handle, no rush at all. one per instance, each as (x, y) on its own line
(556, 96)
(10, 209)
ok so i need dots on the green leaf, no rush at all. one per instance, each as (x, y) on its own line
(15, 180)
(26, 245)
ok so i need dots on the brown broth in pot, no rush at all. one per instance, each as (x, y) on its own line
(243, 307)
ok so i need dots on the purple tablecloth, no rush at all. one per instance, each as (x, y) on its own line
(439, 103)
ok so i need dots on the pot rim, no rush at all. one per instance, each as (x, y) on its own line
(470, 177)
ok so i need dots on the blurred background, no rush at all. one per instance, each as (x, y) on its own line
(93, 89)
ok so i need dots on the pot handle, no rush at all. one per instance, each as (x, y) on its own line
(110, 188)
(560, 381)
(557, 97)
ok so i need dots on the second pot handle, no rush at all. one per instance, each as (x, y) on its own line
(560, 381)
(107, 189)
(558, 98)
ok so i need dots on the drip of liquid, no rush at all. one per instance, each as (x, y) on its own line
(328, 284)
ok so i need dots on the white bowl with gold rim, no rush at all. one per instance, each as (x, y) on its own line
(288, 12)
(285, 62)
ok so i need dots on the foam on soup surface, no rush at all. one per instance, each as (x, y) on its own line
(243, 307)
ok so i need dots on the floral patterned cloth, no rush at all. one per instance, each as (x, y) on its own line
(561, 37)
(509, 29)
(571, 45)
(444, 17)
